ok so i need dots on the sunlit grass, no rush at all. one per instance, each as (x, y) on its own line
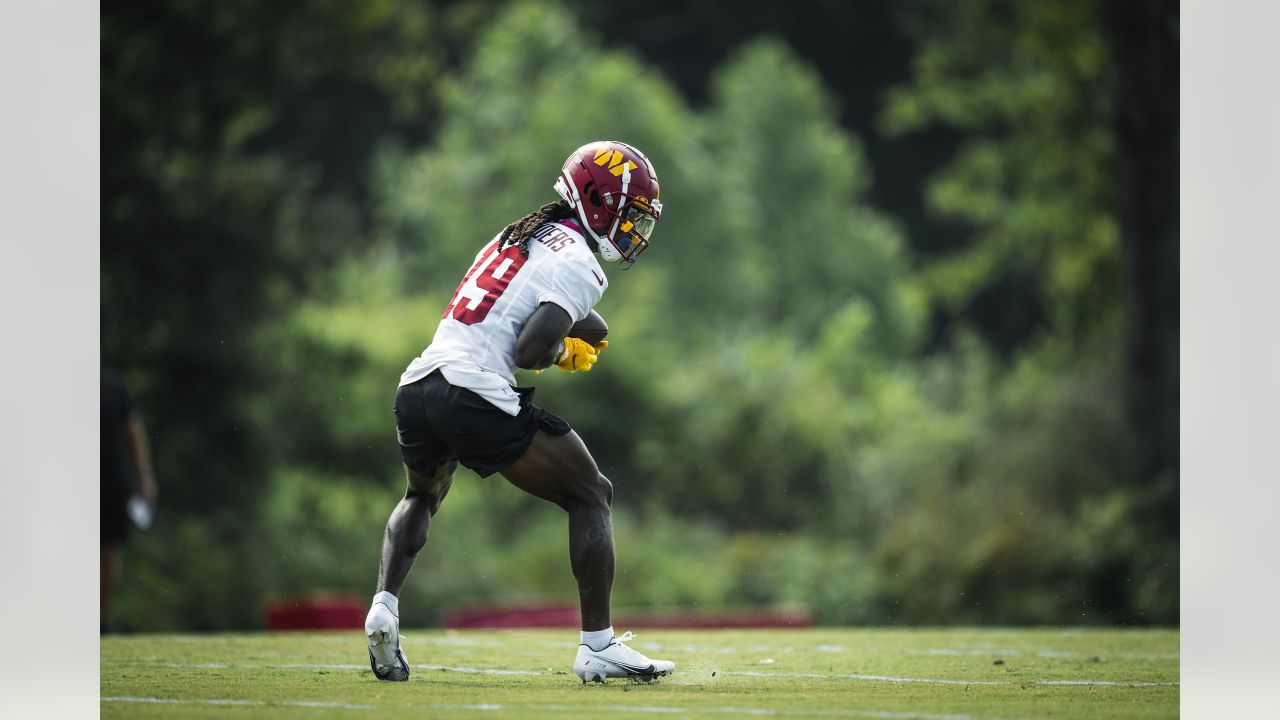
(988, 673)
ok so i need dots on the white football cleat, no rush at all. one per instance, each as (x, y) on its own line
(618, 661)
(385, 656)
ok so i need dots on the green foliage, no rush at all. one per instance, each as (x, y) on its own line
(235, 136)
(779, 418)
(1027, 83)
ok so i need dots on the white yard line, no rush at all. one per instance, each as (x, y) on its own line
(938, 681)
(241, 666)
(1107, 683)
(739, 673)
(496, 707)
(766, 712)
(972, 650)
(225, 701)
(859, 676)
(977, 649)
(480, 671)
(311, 666)
(1147, 656)
(339, 666)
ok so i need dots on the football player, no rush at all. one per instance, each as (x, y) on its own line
(457, 402)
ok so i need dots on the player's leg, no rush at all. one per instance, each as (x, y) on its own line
(405, 536)
(410, 522)
(109, 574)
(114, 531)
(558, 468)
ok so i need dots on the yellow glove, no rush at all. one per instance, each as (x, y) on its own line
(579, 355)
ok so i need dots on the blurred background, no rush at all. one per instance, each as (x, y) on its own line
(904, 350)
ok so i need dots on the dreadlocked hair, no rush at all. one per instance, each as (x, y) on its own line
(519, 232)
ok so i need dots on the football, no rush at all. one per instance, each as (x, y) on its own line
(591, 328)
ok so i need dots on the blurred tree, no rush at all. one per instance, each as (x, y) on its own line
(797, 241)
(1143, 39)
(1027, 83)
(235, 140)
(1030, 84)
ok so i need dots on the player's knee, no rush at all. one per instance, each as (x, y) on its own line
(430, 500)
(602, 492)
(595, 493)
(433, 500)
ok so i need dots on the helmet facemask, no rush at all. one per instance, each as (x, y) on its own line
(629, 233)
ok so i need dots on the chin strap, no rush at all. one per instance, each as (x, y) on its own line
(566, 190)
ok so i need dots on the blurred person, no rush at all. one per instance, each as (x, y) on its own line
(128, 485)
(457, 402)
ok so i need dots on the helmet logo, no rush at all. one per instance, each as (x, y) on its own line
(613, 160)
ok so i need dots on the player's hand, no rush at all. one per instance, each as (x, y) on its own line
(579, 355)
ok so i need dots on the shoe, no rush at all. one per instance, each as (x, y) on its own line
(385, 656)
(618, 661)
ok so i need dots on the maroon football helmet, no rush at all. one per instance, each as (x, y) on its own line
(614, 189)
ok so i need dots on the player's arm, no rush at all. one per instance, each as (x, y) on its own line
(539, 344)
(144, 476)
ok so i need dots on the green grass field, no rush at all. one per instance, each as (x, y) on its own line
(826, 673)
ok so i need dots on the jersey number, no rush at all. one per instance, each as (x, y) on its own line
(484, 284)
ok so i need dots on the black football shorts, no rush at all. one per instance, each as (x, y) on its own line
(437, 422)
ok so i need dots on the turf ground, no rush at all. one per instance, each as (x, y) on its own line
(824, 673)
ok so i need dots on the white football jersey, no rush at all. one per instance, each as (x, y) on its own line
(475, 342)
